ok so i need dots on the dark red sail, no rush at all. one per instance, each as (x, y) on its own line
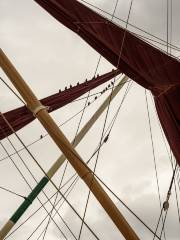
(145, 64)
(20, 117)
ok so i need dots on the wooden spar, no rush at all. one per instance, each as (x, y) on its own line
(39, 187)
(71, 154)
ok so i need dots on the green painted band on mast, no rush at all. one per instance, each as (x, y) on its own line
(27, 202)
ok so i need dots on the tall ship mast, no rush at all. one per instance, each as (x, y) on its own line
(100, 186)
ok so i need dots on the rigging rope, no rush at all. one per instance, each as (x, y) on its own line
(62, 124)
(28, 171)
(10, 191)
(140, 29)
(46, 174)
(7, 85)
(106, 135)
(170, 159)
(77, 130)
(164, 220)
(74, 182)
(31, 216)
(89, 192)
(165, 206)
(110, 126)
(154, 158)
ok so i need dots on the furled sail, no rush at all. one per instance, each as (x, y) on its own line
(20, 117)
(145, 64)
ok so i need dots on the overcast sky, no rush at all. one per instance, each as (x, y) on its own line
(50, 57)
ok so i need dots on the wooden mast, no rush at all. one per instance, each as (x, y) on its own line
(71, 154)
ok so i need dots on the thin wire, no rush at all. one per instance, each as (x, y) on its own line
(168, 197)
(21, 100)
(104, 125)
(37, 229)
(62, 124)
(154, 158)
(101, 143)
(89, 192)
(79, 123)
(171, 183)
(31, 216)
(74, 182)
(124, 36)
(15, 164)
(77, 178)
(49, 220)
(140, 29)
(67, 194)
(50, 180)
(10, 191)
(28, 171)
(170, 158)
(24, 178)
(140, 36)
(89, 158)
(124, 97)
(135, 215)
(175, 170)
(163, 223)
(77, 130)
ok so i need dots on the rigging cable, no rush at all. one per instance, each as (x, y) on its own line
(127, 89)
(140, 29)
(31, 216)
(10, 88)
(97, 157)
(18, 138)
(66, 121)
(77, 130)
(76, 135)
(166, 203)
(164, 140)
(154, 158)
(74, 182)
(144, 38)
(29, 172)
(89, 192)
(115, 117)
(46, 174)
(170, 158)
(10, 191)
(66, 193)
(175, 189)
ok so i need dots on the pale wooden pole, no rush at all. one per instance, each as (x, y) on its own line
(71, 154)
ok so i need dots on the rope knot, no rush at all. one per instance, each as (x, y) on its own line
(106, 138)
(166, 205)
